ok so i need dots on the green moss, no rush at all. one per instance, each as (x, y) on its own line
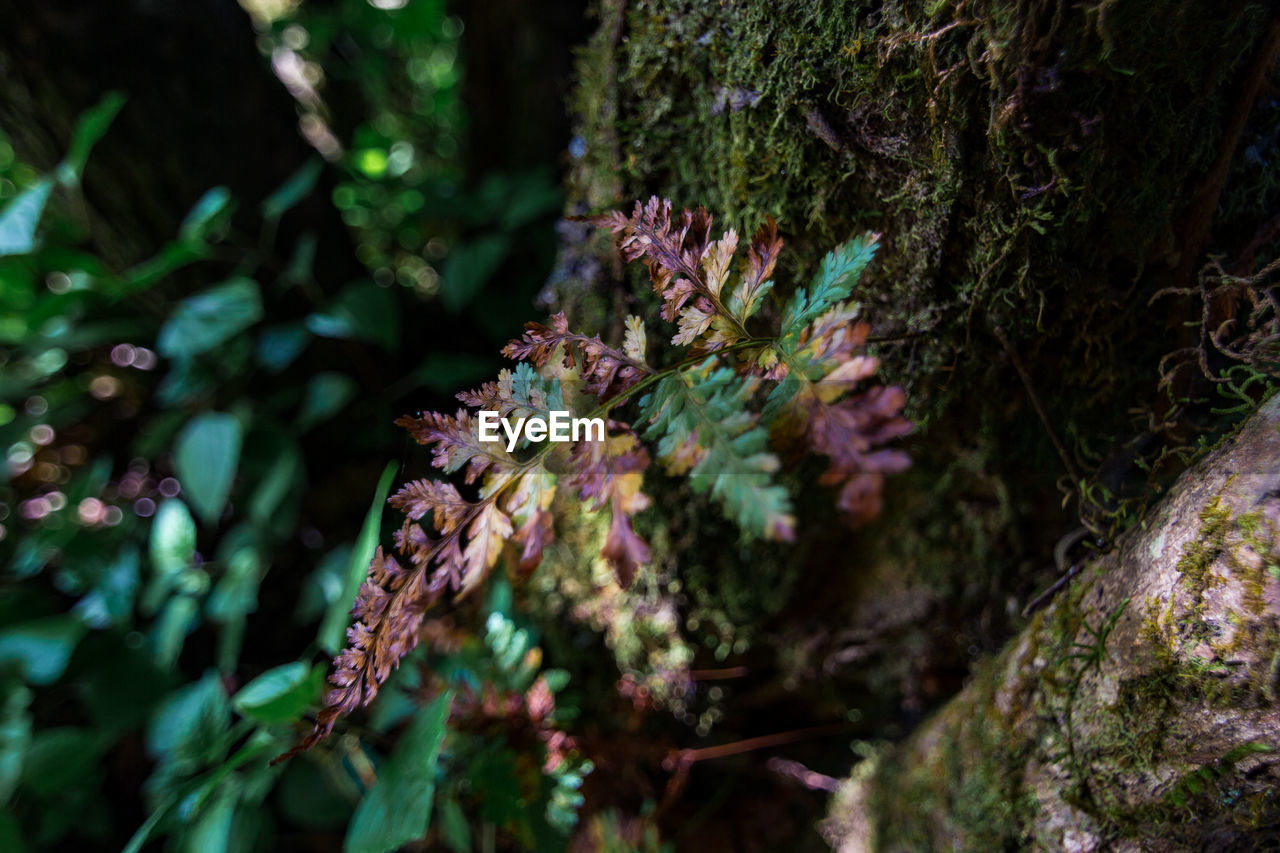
(974, 773)
(1202, 552)
(1134, 739)
(1027, 169)
(973, 777)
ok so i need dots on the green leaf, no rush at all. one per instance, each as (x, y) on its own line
(205, 214)
(205, 458)
(190, 725)
(276, 482)
(236, 593)
(397, 809)
(178, 619)
(281, 694)
(469, 267)
(326, 394)
(294, 190)
(172, 548)
(60, 757)
(279, 345)
(110, 602)
(834, 282)
(91, 127)
(40, 649)
(203, 321)
(325, 584)
(708, 406)
(15, 736)
(212, 829)
(363, 312)
(173, 537)
(301, 262)
(173, 256)
(334, 627)
(19, 219)
(454, 829)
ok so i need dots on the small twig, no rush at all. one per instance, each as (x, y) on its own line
(686, 757)
(1043, 598)
(680, 761)
(1035, 402)
(811, 779)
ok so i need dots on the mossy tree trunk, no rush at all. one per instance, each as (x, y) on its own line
(1040, 171)
(1138, 712)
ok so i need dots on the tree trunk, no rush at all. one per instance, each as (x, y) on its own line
(1039, 171)
(1138, 712)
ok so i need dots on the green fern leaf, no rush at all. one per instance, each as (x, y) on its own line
(840, 271)
(704, 426)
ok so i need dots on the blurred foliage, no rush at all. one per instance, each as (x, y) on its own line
(404, 191)
(168, 433)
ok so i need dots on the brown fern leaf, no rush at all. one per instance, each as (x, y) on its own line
(528, 505)
(605, 371)
(703, 413)
(848, 430)
(389, 610)
(762, 256)
(611, 472)
(690, 271)
(670, 249)
(431, 497)
(456, 443)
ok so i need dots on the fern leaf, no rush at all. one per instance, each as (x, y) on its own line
(703, 421)
(833, 283)
(633, 344)
(686, 268)
(762, 256)
(611, 472)
(704, 418)
(486, 535)
(605, 371)
(456, 442)
(527, 505)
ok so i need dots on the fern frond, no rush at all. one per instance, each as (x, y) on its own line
(703, 412)
(520, 393)
(605, 371)
(703, 422)
(456, 442)
(833, 283)
(611, 472)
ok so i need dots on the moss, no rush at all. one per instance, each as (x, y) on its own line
(1027, 168)
(974, 773)
(1134, 738)
(1203, 551)
(973, 777)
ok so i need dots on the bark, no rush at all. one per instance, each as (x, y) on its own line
(1039, 172)
(1137, 712)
